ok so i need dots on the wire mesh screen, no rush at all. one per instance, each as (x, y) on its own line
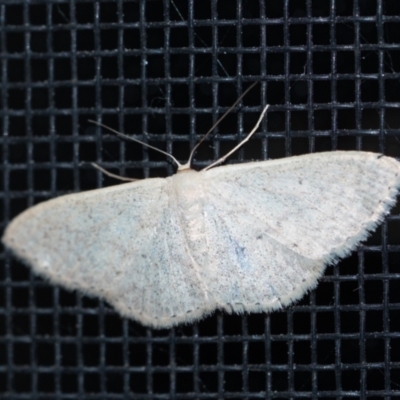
(164, 71)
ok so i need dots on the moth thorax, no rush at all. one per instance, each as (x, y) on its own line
(189, 197)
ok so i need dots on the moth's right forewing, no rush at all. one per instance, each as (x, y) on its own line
(279, 223)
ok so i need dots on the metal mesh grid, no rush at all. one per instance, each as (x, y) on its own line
(331, 72)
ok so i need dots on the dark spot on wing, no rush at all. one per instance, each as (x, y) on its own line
(241, 256)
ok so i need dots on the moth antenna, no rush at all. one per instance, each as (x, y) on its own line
(110, 174)
(219, 121)
(137, 141)
(246, 139)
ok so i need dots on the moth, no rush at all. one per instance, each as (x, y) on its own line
(251, 237)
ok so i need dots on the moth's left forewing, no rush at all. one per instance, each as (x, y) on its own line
(117, 243)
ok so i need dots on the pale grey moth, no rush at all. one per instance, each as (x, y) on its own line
(250, 237)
